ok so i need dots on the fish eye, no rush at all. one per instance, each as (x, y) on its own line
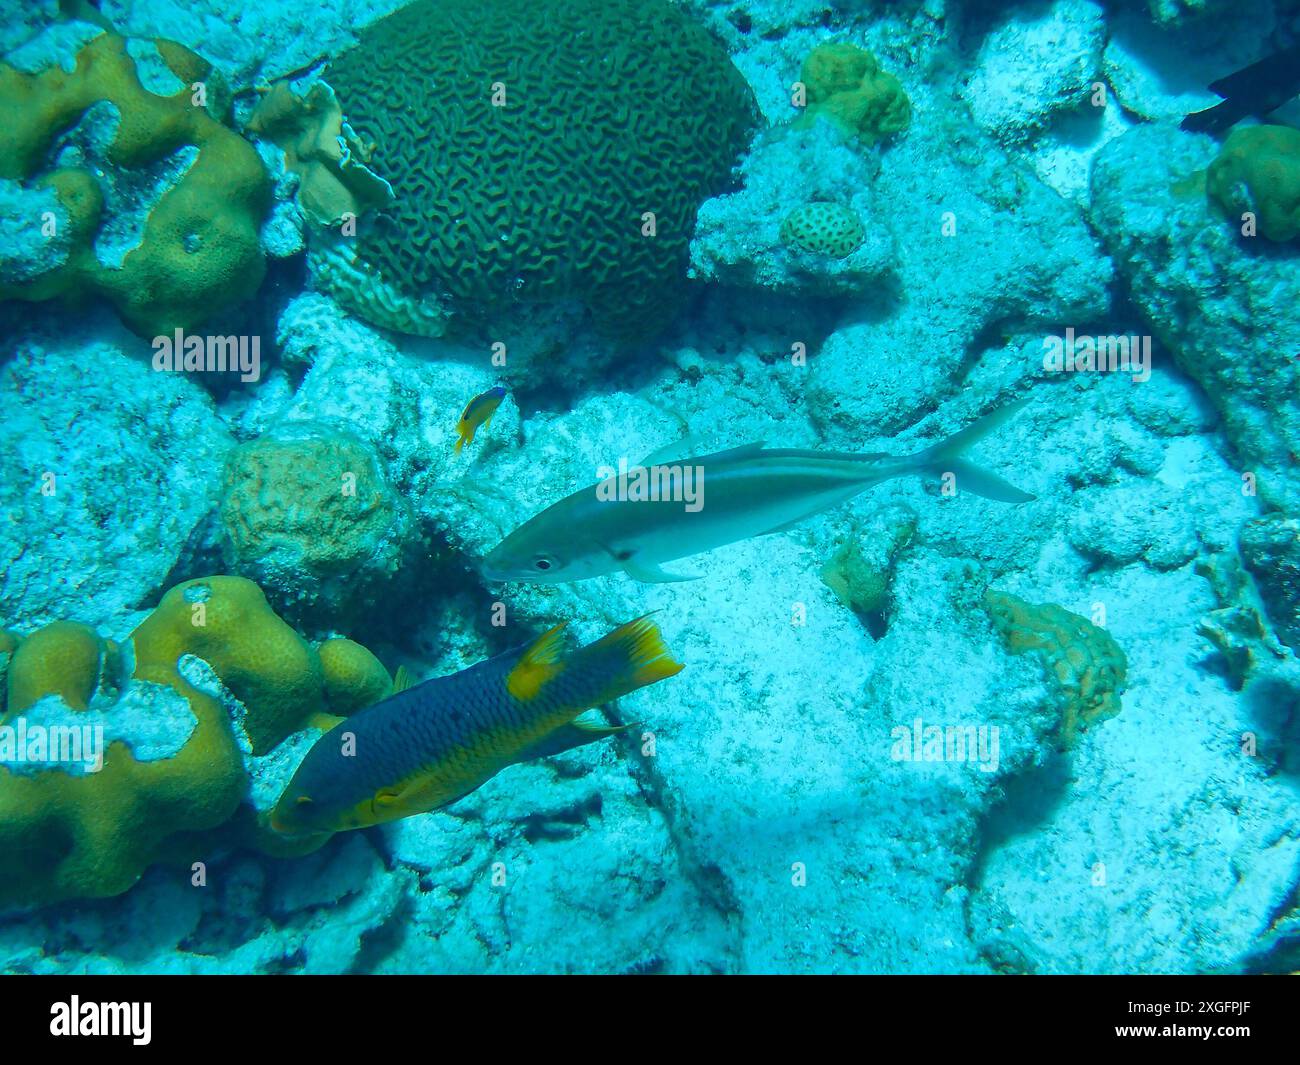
(542, 563)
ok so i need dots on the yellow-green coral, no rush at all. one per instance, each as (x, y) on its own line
(1258, 172)
(1083, 662)
(65, 659)
(354, 678)
(861, 570)
(824, 228)
(227, 622)
(64, 836)
(200, 249)
(845, 84)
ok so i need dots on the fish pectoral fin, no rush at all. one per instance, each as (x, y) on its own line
(567, 737)
(540, 663)
(650, 573)
(402, 680)
(679, 448)
(786, 526)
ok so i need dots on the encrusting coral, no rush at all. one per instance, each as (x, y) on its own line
(823, 228)
(1083, 662)
(199, 249)
(92, 835)
(846, 85)
(1258, 172)
(861, 571)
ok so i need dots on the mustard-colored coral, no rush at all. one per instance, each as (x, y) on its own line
(227, 622)
(199, 250)
(846, 85)
(823, 228)
(65, 659)
(1258, 172)
(354, 678)
(1083, 662)
(84, 836)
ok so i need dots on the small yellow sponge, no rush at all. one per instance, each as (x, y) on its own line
(1083, 662)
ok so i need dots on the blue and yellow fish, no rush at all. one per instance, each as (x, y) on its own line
(478, 411)
(434, 743)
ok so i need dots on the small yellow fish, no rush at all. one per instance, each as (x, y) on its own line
(478, 411)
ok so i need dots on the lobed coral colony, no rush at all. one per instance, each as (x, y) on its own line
(175, 783)
(198, 249)
(809, 330)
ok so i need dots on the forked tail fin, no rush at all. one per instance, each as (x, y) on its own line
(630, 657)
(946, 457)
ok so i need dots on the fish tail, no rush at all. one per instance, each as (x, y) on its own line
(947, 457)
(460, 443)
(631, 657)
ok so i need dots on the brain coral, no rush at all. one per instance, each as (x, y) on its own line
(199, 247)
(525, 140)
(308, 512)
(825, 228)
(1259, 171)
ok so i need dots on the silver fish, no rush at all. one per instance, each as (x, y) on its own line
(713, 500)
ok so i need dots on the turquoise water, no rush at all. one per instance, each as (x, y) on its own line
(927, 384)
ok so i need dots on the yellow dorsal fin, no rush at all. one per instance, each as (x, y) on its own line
(539, 663)
(402, 679)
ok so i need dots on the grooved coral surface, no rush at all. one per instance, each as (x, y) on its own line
(310, 513)
(607, 112)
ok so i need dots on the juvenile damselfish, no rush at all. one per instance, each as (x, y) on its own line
(478, 412)
(434, 743)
